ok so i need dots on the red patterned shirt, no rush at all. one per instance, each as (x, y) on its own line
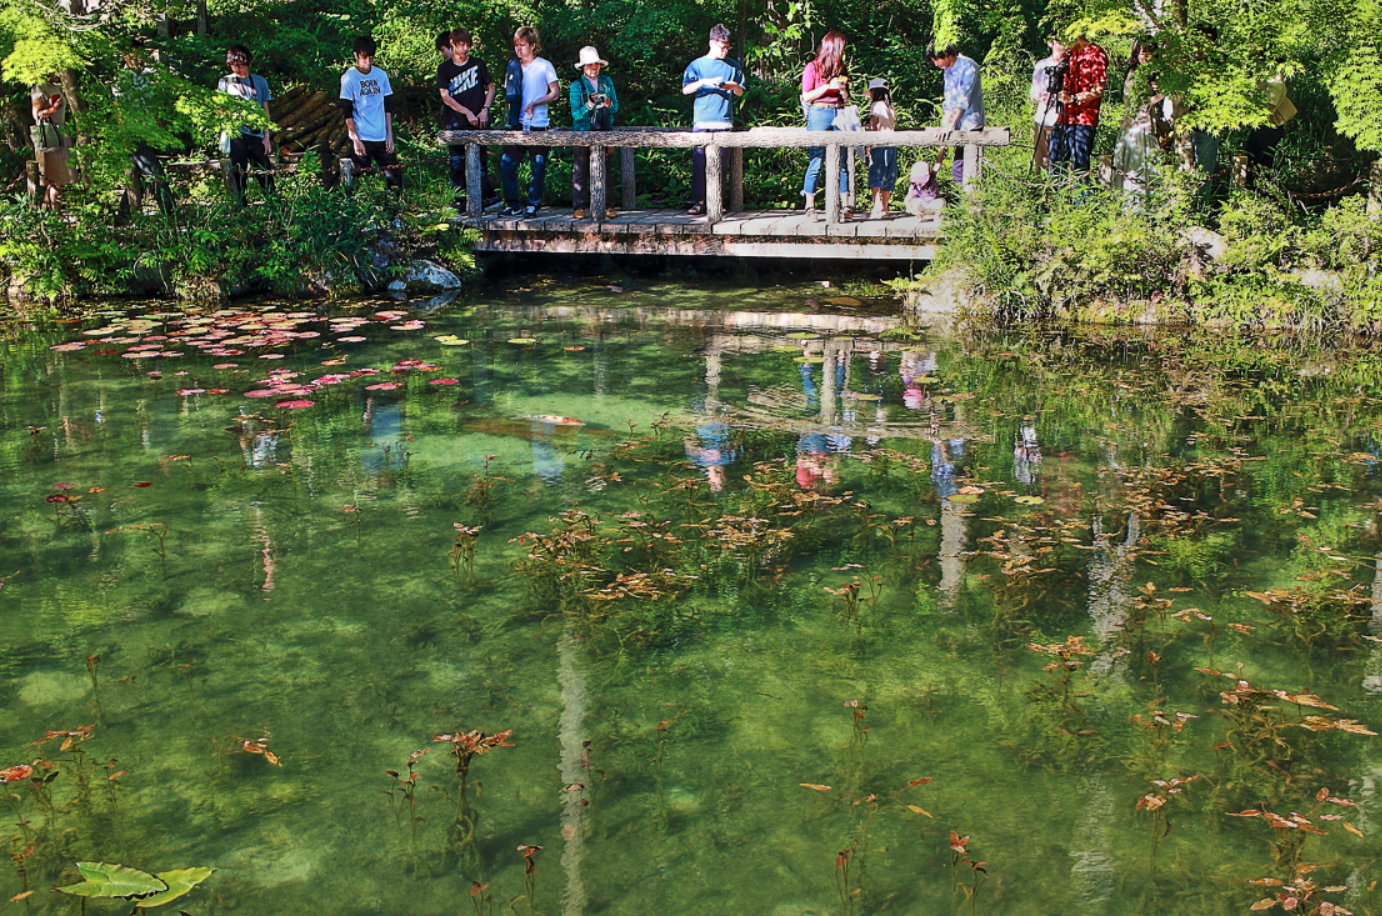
(1088, 71)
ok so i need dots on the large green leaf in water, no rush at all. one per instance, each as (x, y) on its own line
(104, 880)
(180, 882)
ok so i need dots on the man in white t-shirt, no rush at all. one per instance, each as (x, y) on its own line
(367, 100)
(1047, 106)
(537, 88)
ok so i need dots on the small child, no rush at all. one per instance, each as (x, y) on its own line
(924, 197)
(882, 159)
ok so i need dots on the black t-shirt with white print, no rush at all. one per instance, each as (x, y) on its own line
(466, 82)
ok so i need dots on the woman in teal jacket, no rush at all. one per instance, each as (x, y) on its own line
(593, 104)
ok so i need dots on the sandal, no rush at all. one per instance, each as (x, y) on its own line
(697, 210)
(812, 214)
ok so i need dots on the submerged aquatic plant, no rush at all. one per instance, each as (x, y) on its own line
(1155, 803)
(964, 883)
(529, 875)
(465, 747)
(463, 552)
(851, 862)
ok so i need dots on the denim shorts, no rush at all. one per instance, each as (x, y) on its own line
(883, 168)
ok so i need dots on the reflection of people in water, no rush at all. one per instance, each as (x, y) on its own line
(259, 447)
(916, 365)
(547, 461)
(711, 448)
(1026, 456)
(815, 469)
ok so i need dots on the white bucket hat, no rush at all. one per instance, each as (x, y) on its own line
(590, 56)
(921, 172)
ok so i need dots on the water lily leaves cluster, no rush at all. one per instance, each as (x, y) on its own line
(107, 880)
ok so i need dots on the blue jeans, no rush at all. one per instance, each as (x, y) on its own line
(818, 118)
(508, 169)
(1071, 145)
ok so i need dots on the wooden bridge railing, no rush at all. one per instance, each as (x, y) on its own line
(627, 139)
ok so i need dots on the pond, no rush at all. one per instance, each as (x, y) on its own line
(595, 598)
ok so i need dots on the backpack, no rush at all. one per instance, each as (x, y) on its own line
(513, 94)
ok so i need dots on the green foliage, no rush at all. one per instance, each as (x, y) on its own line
(107, 880)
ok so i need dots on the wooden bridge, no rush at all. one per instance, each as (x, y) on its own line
(723, 231)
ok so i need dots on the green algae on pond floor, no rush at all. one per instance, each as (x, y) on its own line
(1006, 623)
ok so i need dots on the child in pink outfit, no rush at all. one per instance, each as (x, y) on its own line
(924, 196)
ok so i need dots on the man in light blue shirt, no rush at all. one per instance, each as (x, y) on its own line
(715, 81)
(964, 98)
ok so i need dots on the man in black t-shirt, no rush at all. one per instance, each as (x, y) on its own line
(466, 95)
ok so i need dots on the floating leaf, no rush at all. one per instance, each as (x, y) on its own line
(812, 785)
(1353, 830)
(295, 405)
(1266, 903)
(106, 880)
(1029, 500)
(964, 498)
(522, 340)
(453, 341)
(916, 810)
(180, 883)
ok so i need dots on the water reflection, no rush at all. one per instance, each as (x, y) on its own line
(725, 572)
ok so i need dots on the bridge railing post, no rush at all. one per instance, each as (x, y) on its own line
(714, 180)
(626, 179)
(971, 167)
(474, 180)
(736, 179)
(599, 181)
(832, 184)
(849, 157)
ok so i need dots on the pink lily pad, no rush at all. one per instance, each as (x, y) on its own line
(295, 405)
(189, 391)
(263, 393)
(226, 366)
(444, 381)
(383, 386)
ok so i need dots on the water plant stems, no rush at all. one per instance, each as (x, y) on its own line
(93, 666)
(465, 747)
(529, 876)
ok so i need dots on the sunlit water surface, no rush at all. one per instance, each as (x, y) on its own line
(707, 715)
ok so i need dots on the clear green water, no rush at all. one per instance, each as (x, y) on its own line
(306, 591)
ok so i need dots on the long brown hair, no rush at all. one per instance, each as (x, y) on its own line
(830, 56)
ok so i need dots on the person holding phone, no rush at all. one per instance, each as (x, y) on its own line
(715, 81)
(593, 105)
(824, 91)
(250, 144)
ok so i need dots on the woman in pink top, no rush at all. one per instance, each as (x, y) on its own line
(824, 91)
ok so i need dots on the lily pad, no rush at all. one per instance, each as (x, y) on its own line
(107, 880)
(522, 340)
(1029, 500)
(452, 341)
(810, 359)
(964, 498)
(180, 883)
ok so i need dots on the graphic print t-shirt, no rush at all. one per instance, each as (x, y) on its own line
(466, 82)
(367, 91)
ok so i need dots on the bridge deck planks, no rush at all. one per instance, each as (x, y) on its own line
(753, 233)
